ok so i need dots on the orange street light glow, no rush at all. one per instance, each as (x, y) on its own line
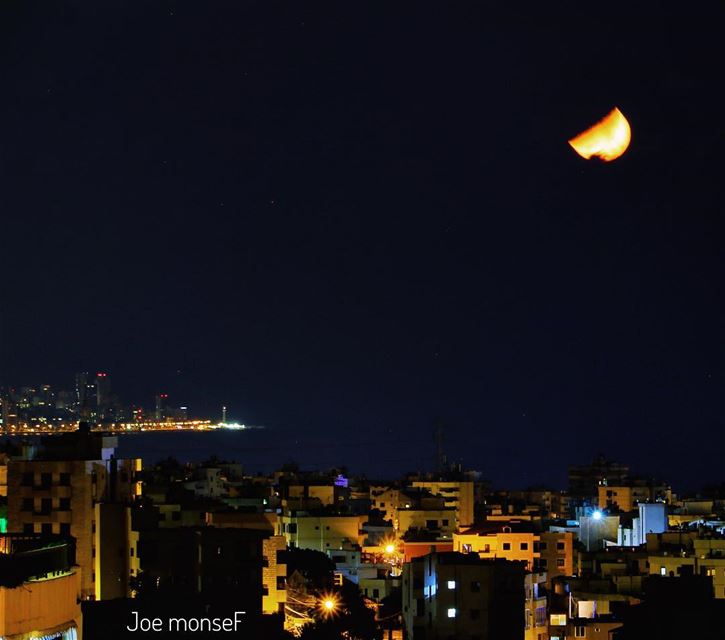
(607, 139)
(329, 604)
(389, 548)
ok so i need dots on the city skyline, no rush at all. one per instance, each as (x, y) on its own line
(361, 321)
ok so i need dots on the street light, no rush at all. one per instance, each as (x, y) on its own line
(328, 604)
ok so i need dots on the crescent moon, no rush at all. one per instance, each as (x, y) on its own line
(607, 139)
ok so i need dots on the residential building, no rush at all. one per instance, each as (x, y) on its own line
(320, 531)
(458, 495)
(57, 493)
(535, 606)
(556, 551)
(706, 557)
(511, 540)
(274, 574)
(584, 480)
(455, 595)
(440, 521)
(40, 588)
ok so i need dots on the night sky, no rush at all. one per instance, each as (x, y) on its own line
(349, 220)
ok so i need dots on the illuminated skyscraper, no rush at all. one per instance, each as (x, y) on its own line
(103, 390)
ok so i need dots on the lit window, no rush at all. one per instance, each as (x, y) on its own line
(451, 584)
(452, 612)
(663, 571)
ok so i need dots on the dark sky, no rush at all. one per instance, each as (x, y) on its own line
(348, 220)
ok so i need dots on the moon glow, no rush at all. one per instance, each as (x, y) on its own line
(607, 139)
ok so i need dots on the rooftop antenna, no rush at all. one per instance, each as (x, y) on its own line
(224, 414)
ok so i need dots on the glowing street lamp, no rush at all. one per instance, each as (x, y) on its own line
(390, 548)
(329, 604)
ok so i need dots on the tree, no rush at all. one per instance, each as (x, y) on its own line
(316, 567)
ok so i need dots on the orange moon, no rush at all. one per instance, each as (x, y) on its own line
(607, 139)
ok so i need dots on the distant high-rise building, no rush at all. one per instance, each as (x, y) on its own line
(86, 393)
(103, 390)
(81, 386)
(161, 399)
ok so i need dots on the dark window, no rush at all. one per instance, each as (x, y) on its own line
(376, 593)
(27, 479)
(560, 562)
(65, 528)
(64, 480)
(176, 515)
(431, 524)
(46, 479)
(507, 546)
(27, 504)
(420, 607)
(64, 504)
(131, 552)
(524, 546)
(93, 527)
(280, 583)
(46, 505)
(560, 546)
(542, 546)
(28, 527)
(476, 586)
(445, 523)
(46, 528)
(475, 614)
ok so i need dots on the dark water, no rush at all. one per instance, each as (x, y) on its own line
(265, 450)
